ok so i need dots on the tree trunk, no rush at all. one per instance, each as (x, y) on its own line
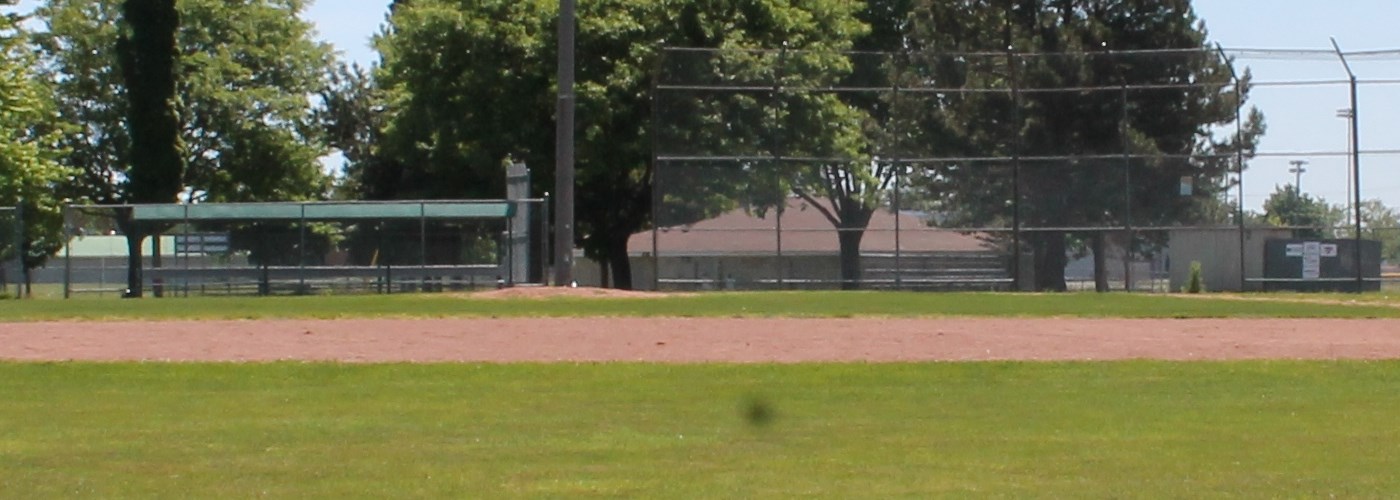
(850, 258)
(604, 273)
(1128, 263)
(133, 252)
(1050, 261)
(26, 272)
(1100, 249)
(618, 260)
(134, 280)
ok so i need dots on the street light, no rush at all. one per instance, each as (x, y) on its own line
(1297, 172)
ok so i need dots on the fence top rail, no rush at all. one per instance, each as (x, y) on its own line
(321, 211)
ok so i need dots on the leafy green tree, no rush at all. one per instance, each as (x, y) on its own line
(242, 72)
(469, 83)
(1168, 131)
(1384, 225)
(1313, 217)
(29, 172)
(351, 111)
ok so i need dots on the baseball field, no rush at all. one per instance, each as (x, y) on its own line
(753, 395)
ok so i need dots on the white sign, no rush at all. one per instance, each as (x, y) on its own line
(201, 243)
(1329, 250)
(1295, 249)
(1312, 260)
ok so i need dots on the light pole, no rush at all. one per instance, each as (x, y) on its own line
(1347, 114)
(1297, 172)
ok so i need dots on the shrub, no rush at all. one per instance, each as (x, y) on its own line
(1194, 285)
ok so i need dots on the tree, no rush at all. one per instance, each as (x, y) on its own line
(29, 172)
(1167, 132)
(1312, 217)
(351, 112)
(1384, 224)
(146, 55)
(470, 83)
(244, 128)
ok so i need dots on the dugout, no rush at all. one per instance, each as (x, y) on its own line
(317, 247)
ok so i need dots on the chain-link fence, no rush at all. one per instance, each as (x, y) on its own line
(302, 248)
(929, 170)
(11, 245)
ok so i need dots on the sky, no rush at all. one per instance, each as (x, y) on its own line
(1301, 119)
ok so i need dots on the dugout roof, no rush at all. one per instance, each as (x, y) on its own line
(324, 211)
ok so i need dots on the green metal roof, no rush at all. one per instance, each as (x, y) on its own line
(324, 211)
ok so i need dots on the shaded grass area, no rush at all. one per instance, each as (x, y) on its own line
(756, 304)
(1134, 429)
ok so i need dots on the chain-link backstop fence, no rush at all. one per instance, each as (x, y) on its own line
(928, 170)
(302, 248)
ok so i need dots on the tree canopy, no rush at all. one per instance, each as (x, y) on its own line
(242, 71)
(1313, 217)
(1121, 100)
(470, 83)
(195, 99)
(30, 174)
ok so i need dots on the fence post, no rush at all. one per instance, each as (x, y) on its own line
(1015, 163)
(1127, 194)
(68, 251)
(778, 156)
(517, 191)
(898, 169)
(301, 255)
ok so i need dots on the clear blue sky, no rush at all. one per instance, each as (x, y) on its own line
(1300, 119)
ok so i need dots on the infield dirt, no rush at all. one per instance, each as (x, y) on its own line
(698, 340)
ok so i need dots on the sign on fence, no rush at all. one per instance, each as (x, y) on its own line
(201, 243)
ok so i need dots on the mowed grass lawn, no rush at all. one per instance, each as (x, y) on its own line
(755, 304)
(1125, 429)
(1067, 430)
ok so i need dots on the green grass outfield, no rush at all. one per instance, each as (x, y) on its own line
(756, 304)
(1067, 430)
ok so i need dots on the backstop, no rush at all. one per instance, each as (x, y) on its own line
(995, 171)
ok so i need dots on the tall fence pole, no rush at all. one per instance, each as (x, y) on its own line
(1355, 163)
(564, 151)
(776, 138)
(898, 169)
(655, 133)
(1127, 194)
(1239, 164)
(1011, 63)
